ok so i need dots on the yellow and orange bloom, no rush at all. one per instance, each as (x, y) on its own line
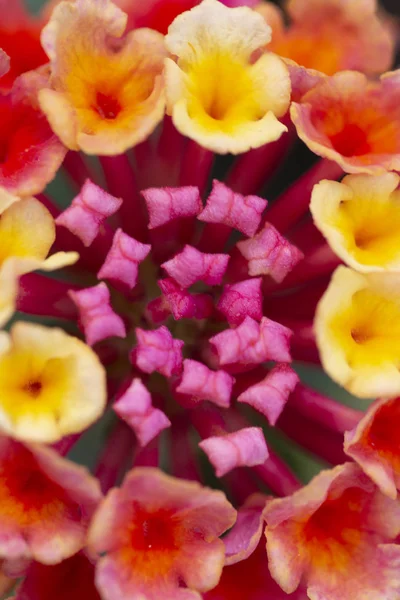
(106, 89)
(46, 503)
(336, 534)
(51, 384)
(357, 326)
(360, 218)
(222, 90)
(27, 232)
(158, 537)
(30, 153)
(332, 35)
(374, 444)
(352, 121)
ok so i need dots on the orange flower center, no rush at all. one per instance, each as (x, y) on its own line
(352, 140)
(108, 107)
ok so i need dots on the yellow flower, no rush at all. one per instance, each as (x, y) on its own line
(360, 218)
(107, 90)
(51, 384)
(223, 91)
(27, 232)
(357, 326)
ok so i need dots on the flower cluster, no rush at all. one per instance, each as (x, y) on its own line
(183, 301)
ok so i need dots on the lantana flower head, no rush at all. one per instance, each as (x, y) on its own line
(188, 311)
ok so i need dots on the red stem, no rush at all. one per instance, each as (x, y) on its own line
(196, 166)
(115, 456)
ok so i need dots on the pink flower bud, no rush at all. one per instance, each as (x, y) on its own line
(234, 210)
(184, 305)
(200, 383)
(241, 300)
(135, 407)
(243, 448)
(166, 204)
(191, 265)
(270, 395)
(98, 319)
(157, 350)
(88, 211)
(123, 258)
(269, 253)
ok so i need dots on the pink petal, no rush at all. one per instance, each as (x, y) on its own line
(122, 261)
(167, 204)
(184, 305)
(191, 265)
(157, 350)
(241, 300)
(200, 383)
(271, 394)
(88, 211)
(243, 448)
(243, 538)
(269, 253)
(234, 210)
(97, 318)
(135, 407)
(253, 343)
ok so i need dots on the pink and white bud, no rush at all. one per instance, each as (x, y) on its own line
(166, 204)
(184, 305)
(270, 395)
(241, 300)
(88, 211)
(135, 408)
(243, 448)
(157, 350)
(234, 210)
(252, 343)
(96, 316)
(123, 259)
(200, 383)
(269, 253)
(191, 265)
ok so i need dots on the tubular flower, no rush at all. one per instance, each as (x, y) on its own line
(20, 39)
(360, 218)
(336, 533)
(352, 121)
(219, 93)
(373, 443)
(30, 153)
(159, 536)
(51, 384)
(106, 91)
(46, 503)
(27, 232)
(356, 329)
(332, 35)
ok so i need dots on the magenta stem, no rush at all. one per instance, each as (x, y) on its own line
(183, 463)
(252, 170)
(66, 444)
(148, 456)
(214, 237)
(43, 296)
(290, 206)
(196, 166)
(320, 441)
(115, 457)
(121, 183)
(77, 168)
(323, 410)
(277, 476)
(299, 303)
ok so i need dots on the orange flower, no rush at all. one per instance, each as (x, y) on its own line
(335, 534)
(332, 35)
(353, 121)
(46, 503)
(106, 90)
(159, 538)
(374, 444)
